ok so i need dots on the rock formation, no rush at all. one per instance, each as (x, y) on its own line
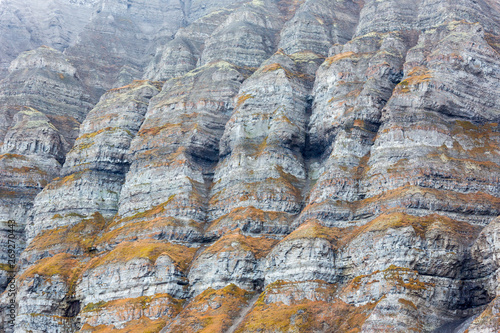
(250, 166)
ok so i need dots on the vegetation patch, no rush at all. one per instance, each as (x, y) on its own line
(340, 56)
(139, 84)
(305, 57)
(314, 230)
(406, 278)
(94, 134)
(243, 98)
(118, 231)
(407, 303)
(153, 131)
(143, 325)
(250, 214)
(420, 224)
(306, 316)
(134, 304)
(80, 236)
(150, 213)
(61, 264)
(212, 311)
(260, 246)
(147, 249)
(415, 77)
(13, 157)
(493, 41)
(59, 182)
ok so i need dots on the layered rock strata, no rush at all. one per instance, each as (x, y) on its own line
(42, 101)
(308, 166)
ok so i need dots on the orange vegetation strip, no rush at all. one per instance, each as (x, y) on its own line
(143, 325)
(147, 249)
(260, 246)
(80, 235)
(306, 316)
(212, 311)
(62, 265)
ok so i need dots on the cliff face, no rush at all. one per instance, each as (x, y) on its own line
(251, 166)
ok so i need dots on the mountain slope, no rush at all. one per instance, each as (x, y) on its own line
(254, 166)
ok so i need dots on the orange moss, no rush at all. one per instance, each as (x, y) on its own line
(416, 76)
(65, 123)
(6, 267)
(260, 247)
(259, 149)
(271, 67)
(58, 182)
(401, 276)
(152, 131)
(314, 230)
(289, 74)
(13, 156)
(405, 191)
(351, 95)
(324, 290)
(242, 213)
(154, 211)
(81, 235)
(490, 317)
(118, 231)
(393, 276)
(362, 168)
(243, 98)
(407, 303)
(62, 264)
(484, 136)
(147, 249)
(27, 170)
(306, 56)
(143, 325)
(359, 123)
(250, 213)
(306, 316)
(212, 311)
(5, 194)
(93, 134)
(340, 56)
(283, 187)
(130, 304)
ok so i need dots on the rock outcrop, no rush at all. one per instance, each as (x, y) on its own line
(25, 26)
(305, 166)
(42, 102)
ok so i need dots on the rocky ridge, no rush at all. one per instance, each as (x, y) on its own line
(309, 166)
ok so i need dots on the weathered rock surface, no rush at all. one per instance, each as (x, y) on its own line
(95, 167)
(44, 80)
(166, 189)
(27, 25)
(316, 25)
(305, 166)
(42, 101)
